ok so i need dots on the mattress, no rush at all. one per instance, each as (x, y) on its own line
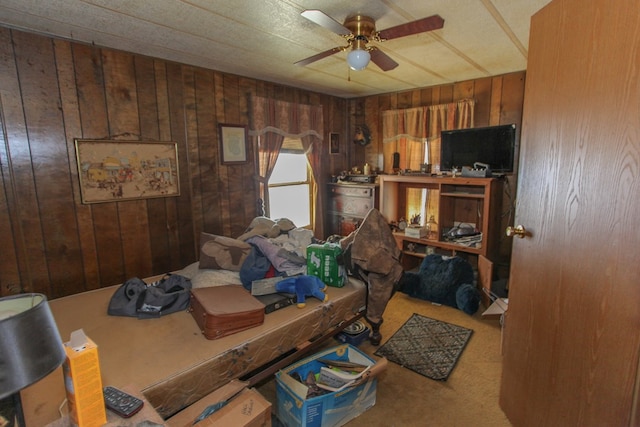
(169, 359)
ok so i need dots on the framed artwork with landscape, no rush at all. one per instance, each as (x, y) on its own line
(111, 171)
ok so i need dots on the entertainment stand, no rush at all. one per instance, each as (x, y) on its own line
(452, 201)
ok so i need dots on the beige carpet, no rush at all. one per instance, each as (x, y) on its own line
(404, 398)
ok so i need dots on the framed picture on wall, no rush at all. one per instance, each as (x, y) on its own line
(334, 143)
(112, 171)
(233, 144)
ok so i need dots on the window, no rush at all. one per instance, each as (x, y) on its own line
(290, 189)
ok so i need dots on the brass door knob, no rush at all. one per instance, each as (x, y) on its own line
(517, 231)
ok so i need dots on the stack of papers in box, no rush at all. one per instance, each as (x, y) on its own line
(337, 379)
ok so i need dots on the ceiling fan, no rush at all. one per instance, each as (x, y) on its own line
(359, 30)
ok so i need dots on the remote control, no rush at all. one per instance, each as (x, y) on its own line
(123, 404)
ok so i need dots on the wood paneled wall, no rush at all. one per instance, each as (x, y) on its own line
(499, 101)
(54, 91)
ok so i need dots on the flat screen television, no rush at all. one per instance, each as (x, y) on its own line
(493, 145)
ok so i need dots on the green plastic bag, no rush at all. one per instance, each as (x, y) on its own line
(323, 262)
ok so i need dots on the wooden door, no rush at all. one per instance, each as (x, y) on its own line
(572, 334)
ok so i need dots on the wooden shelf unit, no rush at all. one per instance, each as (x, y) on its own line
(459, 200)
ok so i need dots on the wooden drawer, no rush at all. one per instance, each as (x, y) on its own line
(347, 205)
(354, 191)
(351, 205)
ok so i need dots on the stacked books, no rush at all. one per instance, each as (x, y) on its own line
(338, 374)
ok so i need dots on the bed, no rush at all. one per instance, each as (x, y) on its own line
(169, 359)
(174, 365)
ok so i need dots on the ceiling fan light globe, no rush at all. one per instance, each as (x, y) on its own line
(358, 59)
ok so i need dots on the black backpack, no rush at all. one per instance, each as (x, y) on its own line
(135, 298)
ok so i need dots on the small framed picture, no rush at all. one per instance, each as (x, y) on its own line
(334, 143)
(233, 144)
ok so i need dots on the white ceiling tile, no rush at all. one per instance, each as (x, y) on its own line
(262, 39)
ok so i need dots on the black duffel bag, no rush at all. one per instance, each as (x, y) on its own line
(135, 298)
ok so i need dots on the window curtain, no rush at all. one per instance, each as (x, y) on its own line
(414, 133)
(405, 132)
(271, 122)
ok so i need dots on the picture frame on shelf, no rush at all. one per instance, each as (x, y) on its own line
(233, 144)
(113, 171)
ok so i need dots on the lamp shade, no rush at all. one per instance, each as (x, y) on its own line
(30, 344)
(358, 59)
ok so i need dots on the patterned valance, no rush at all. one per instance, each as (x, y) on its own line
(288, 119)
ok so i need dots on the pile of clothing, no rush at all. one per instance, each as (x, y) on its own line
(278, 248)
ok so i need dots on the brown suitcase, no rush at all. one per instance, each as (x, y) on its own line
(225, 310)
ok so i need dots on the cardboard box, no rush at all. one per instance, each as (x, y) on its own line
(496, 309)
(147, 414)
(83, 381)
(248, 409)
(334, 408)
(245, 407)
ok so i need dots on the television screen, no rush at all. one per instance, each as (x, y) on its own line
(494, 145)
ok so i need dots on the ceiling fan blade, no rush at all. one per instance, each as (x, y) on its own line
(325, 21)
(382, 60)
(434, 22)
(319, 56)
